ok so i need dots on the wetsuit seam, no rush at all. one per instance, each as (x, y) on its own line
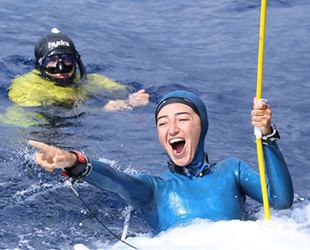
(153, 202)
(175, 205)
(270, 184)
(213, 182)
(216, 177)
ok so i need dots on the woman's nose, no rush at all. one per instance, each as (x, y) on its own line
(173, 128)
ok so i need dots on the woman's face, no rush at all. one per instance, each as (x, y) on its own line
(179, 128)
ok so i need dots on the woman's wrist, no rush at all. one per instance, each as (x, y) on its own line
(81, 166)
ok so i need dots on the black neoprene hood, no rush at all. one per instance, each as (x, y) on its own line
(54, 43)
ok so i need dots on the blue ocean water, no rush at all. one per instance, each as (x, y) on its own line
(207, 47)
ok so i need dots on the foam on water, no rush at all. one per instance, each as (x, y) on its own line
(288, 229)
(206, 47)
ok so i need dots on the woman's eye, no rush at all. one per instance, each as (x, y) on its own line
(160, 124)
(183, 119)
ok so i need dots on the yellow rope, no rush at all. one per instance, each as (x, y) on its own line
(260, 154)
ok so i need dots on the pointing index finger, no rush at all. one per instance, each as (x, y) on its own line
(44, 147)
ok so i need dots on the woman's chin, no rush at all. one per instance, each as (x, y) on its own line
(180, 162)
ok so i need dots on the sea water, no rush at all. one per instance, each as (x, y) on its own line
(206, 47)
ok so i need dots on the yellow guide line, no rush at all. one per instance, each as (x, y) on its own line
(259, 87)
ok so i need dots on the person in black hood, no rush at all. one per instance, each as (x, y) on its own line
(191, 187)
(57, 58)
(60, 80)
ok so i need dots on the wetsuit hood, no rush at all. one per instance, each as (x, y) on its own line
(53, 44)
(199, 107)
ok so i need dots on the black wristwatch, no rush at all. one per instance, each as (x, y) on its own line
(82, 167)
(273, 136)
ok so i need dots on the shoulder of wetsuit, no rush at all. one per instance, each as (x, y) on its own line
(95, 80)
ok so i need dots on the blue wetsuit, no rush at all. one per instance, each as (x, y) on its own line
(172, 199)
(216, 192)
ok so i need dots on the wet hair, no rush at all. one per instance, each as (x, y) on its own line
(53, 44)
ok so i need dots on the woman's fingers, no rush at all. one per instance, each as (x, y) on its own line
(40, 145)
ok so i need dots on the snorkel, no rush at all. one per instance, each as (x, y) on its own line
(198, 163)
(56, 43)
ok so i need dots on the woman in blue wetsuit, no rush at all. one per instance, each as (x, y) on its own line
(191, 187)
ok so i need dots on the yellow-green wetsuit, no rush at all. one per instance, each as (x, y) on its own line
(31, 90)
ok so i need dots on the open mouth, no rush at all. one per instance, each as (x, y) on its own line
(177, 145)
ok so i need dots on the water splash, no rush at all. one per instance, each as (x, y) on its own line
(287, 230)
